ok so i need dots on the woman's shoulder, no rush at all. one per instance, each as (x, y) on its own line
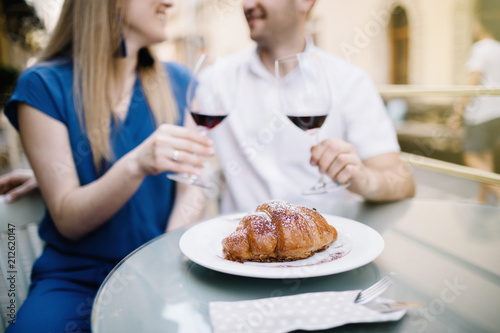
(57, 69)
(43, 86)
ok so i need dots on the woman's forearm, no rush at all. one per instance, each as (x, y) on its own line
(78, 210)
(75, 209)
(86, 208)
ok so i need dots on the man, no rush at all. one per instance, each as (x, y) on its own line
(264, 156)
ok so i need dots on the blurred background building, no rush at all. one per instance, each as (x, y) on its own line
(415, 43)
(395, 41)
(404, 42)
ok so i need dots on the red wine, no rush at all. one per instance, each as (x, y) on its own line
(307, 123)
(207, 121)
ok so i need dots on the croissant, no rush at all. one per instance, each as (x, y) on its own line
(279, 231)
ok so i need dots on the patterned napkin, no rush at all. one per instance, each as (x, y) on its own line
(311, 311)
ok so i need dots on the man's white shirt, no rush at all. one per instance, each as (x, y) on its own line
(264, 155)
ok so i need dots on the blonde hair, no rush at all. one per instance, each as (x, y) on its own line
(89, 30)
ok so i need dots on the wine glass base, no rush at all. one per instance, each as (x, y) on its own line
(322, 188)
(187, 179)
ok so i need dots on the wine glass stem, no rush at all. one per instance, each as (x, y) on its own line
(203, 130)
(314, 134)
(322, 181)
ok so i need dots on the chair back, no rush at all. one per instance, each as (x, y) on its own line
(20, 245)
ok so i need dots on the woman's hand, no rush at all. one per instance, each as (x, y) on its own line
(172, 148)
(16, 184)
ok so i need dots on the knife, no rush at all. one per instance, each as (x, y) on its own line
(384, 307)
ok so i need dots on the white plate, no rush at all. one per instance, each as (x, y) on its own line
(357, 245)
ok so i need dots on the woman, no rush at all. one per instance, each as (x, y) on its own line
(99, 121)
(481, 114)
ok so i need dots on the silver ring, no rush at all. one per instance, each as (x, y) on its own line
(175, 156)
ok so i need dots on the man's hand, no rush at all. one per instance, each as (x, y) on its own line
(340, 161)
(16, 184)
(379, 178)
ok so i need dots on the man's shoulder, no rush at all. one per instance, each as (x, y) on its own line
(341, 68)
(236, 59)
(339, 63)
(227, 67)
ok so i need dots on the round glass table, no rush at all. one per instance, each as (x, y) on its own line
(443, 253)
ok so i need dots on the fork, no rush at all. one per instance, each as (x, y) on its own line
(369, 294)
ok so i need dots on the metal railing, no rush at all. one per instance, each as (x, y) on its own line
(453, 169)
(396, 90)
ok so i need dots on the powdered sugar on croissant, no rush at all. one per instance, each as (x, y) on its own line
(279, 231)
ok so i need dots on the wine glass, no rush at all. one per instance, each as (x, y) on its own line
(204, 103)
(305, 99)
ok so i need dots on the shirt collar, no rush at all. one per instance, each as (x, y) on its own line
(310, 46)
(257, 67)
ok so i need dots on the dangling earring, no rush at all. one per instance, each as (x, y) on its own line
(123, 45)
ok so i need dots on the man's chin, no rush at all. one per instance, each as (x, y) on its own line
(256, 38)
(255, 33)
